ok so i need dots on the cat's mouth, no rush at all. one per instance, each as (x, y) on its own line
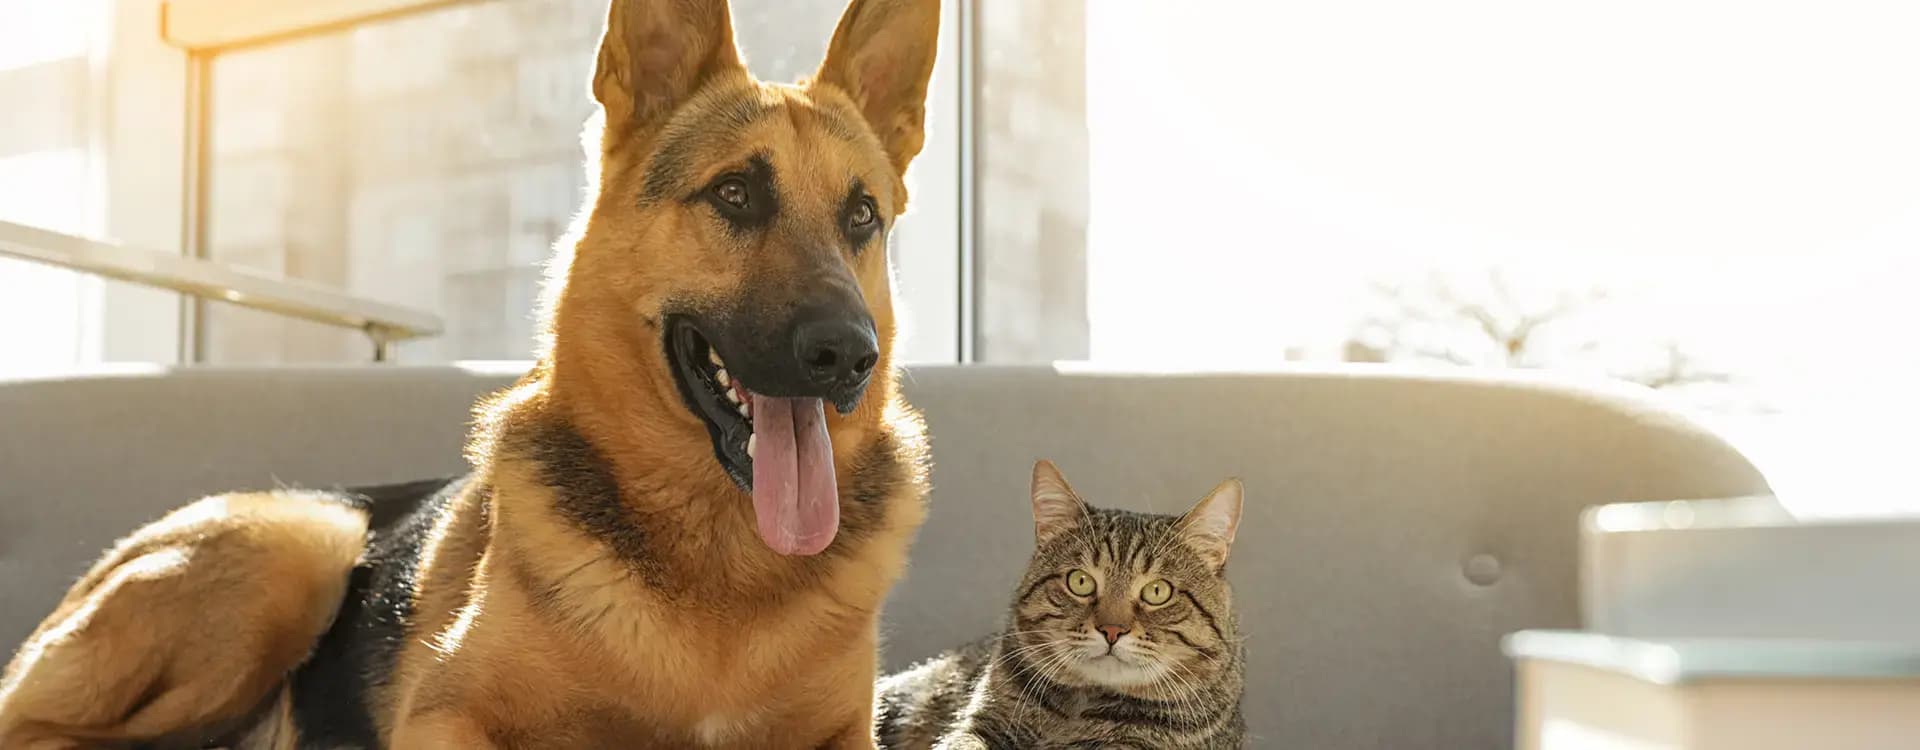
(1119, 666)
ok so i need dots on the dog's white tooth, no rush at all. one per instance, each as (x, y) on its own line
(750, 444)
(721, 375)
(733, 395)
(714, 357)
(743, 409)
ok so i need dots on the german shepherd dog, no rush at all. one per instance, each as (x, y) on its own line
(680, 524)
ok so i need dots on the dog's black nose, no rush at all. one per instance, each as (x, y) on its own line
(836, 351)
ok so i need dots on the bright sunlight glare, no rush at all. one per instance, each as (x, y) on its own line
(1746, 173)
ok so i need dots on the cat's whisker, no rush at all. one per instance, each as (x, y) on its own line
(1044, 670)
(1192, 687)
(1018, 633)
(1171, 536)
(1033, 648)
(1187, 690)
(1063, 659)
(1166, 540)
(1171, 677)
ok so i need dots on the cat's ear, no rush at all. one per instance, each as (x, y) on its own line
(1209, 525)
(1056, 509)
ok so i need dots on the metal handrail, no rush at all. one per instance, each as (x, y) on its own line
(384, 323)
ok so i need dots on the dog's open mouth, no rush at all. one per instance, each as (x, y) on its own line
(775, 448)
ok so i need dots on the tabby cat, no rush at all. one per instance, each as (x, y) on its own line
(1121, 635)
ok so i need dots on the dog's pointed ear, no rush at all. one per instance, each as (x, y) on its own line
(882, 56)
(656, 53)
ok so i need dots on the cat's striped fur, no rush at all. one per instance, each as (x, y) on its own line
(1057, 676)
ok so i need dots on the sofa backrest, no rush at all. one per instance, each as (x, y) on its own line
(1748, 568)
(1396, 526)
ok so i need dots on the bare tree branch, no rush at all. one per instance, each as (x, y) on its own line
(1443, 320)
(1679, 369)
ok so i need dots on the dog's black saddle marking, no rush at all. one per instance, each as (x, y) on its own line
(358, 652)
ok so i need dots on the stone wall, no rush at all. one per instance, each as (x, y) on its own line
(1031, 181)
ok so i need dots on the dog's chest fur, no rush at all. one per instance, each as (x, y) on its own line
(534, 597)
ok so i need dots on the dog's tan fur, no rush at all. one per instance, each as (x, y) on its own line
(528, 629)
(185, 624)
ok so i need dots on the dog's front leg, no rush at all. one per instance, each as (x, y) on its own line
(859, 734)
(856, 737)
(441, 731)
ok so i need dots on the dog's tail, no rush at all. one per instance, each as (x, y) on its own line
(188, 626)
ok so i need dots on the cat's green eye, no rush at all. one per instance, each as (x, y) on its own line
(1080, 583)
(1157, 593)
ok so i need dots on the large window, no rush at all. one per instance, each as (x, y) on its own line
(46, 172)
(88, 108)
(1714, 198)
(433, 160)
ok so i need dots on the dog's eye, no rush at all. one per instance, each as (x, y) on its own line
(863, 214)
(733, 192)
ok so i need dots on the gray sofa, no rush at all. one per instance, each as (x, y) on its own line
(1396, 525)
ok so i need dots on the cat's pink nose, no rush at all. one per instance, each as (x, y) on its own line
(1112, 632)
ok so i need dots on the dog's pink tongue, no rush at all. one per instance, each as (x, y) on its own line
(795, 495)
